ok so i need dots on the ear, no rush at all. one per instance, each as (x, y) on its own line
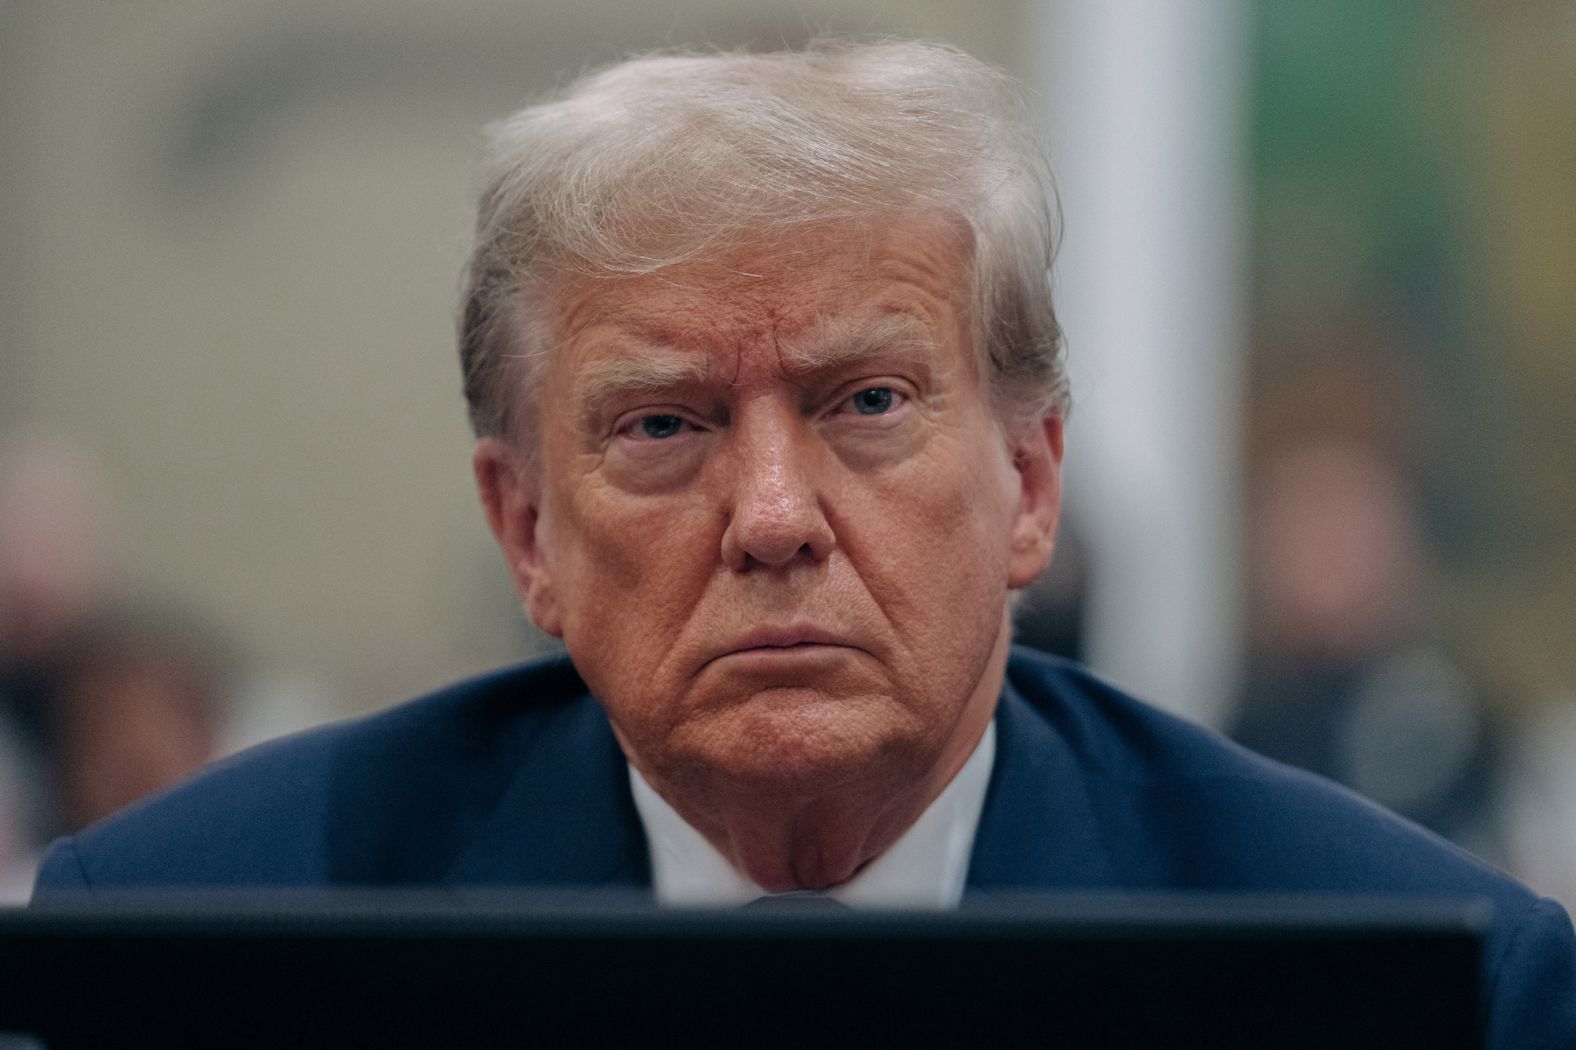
(510, 494)
(1037, 461)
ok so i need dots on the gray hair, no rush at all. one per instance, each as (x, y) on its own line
(670, 158)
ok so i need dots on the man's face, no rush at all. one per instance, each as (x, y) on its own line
(774, 518)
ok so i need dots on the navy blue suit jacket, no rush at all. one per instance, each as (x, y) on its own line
(516, 779)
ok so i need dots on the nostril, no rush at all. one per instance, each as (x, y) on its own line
(775, 541)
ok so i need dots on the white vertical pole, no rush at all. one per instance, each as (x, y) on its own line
(1145, 102)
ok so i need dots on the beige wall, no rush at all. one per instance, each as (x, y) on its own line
(232, 240)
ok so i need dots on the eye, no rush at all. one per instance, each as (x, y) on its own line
(660, 426)
(874, 401)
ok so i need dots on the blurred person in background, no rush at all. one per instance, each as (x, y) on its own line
(102, 701)
(1346, 678)
(1414, 214)
(138, 706)
(54, 574)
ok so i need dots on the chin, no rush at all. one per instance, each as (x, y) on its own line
(787, 740)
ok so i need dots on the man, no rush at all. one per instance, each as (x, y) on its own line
(768, 392)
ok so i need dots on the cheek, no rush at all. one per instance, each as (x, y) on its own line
(628, 571)
(939, 546)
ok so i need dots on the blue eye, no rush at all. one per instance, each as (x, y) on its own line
(874, 401)
(661, 426)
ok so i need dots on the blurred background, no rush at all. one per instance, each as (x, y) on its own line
(1318, 275)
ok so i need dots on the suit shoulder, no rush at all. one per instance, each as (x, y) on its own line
(1184, 807)
(330, 804)
(1117, 735)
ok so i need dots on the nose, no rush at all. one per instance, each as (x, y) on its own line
(775, 512)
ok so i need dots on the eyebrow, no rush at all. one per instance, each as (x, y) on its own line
(649, 370)
(642, 372)
(836, 342)
(829, 344)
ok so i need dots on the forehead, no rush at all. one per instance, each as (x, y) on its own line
(788, 294)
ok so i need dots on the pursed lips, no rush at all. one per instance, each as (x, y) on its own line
(768, 640)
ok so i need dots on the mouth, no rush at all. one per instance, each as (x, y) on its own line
(786, 643)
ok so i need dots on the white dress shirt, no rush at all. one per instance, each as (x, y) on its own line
(925, 868)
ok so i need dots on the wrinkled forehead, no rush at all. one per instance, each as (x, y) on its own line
(802, 291)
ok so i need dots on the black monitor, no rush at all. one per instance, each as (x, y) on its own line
(504, 969)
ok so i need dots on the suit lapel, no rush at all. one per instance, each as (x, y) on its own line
(1039, 828)
(568, 819)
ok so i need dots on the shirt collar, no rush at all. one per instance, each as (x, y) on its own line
(925, 868)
